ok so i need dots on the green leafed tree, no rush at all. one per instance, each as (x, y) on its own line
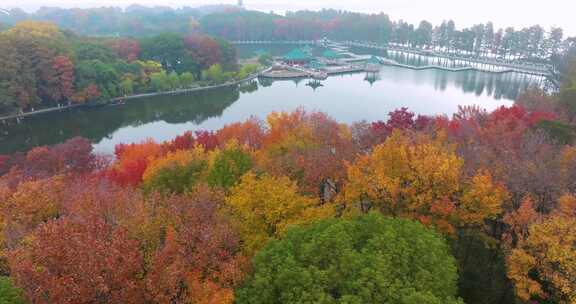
(229, 165)
(214, 74)
(160, 81)
(176, 179)
(568, 90)
(174, 81)
(8, 293)
(368, 259)
(186, 79)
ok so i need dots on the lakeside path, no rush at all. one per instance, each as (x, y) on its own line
(4, 119)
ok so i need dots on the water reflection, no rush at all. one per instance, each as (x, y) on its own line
(347, 98)
(99, 123)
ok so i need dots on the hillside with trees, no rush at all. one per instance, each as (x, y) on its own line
(533, 43)
(43, 66)
(134, 20)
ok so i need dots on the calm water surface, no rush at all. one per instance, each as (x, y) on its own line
(347, 98)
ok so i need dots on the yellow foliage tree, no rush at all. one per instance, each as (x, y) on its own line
(482, 200)
(26, 207)
(566, 206)
(549, 251)
(421, 178)
(173, 159)
(401, 178)
(36, 29)
(266, 206)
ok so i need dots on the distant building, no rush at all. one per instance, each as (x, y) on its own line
(241, 3)
(297, 56)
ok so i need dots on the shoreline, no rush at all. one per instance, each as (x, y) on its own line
(264, 73)
(117, 100)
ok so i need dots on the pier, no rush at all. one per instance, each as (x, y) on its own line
(474, 63)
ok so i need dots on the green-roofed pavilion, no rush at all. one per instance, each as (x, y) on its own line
(330, 54)
(297, 56)
(374, 60)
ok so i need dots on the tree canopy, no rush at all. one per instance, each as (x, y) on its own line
(44, 66)
(369, 259)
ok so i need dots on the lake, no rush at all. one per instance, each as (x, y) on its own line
(346, 98)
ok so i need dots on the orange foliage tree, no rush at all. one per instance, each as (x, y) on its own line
(250, 132)
(543, 264)
(110, 244)
(309, 148)
(132, 161)
(421, 179)
(198, 259)
(71, 261)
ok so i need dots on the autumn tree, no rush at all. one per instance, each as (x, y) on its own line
(50, 269)
(33, 64)
(250, 132)
(63, 78)
(176, 172)
(29, 205)
(197, 261)
(204, 50)
(228, 165)
(368, 259)
(126, 49)
(421, 179)
(309, 148)
(542, 264)
(266, 206)
(72, 157)
(132, 161)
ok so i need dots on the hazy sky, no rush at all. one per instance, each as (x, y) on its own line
(517, 13)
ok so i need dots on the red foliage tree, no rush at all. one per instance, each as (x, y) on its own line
(185, 141)
(400, 119)
(188, 140)
(74, 157)
(79, 261)
(126, 49)
(131, 162)
(197, 262)
(251, 133)
(307, 147)
(64, 78)
(86, 94)
(207, 139)
(204, 50)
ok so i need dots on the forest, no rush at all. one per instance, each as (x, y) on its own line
(533, 43)
(296, 207)
(47, 64)
(475, 208)
(44, 66)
